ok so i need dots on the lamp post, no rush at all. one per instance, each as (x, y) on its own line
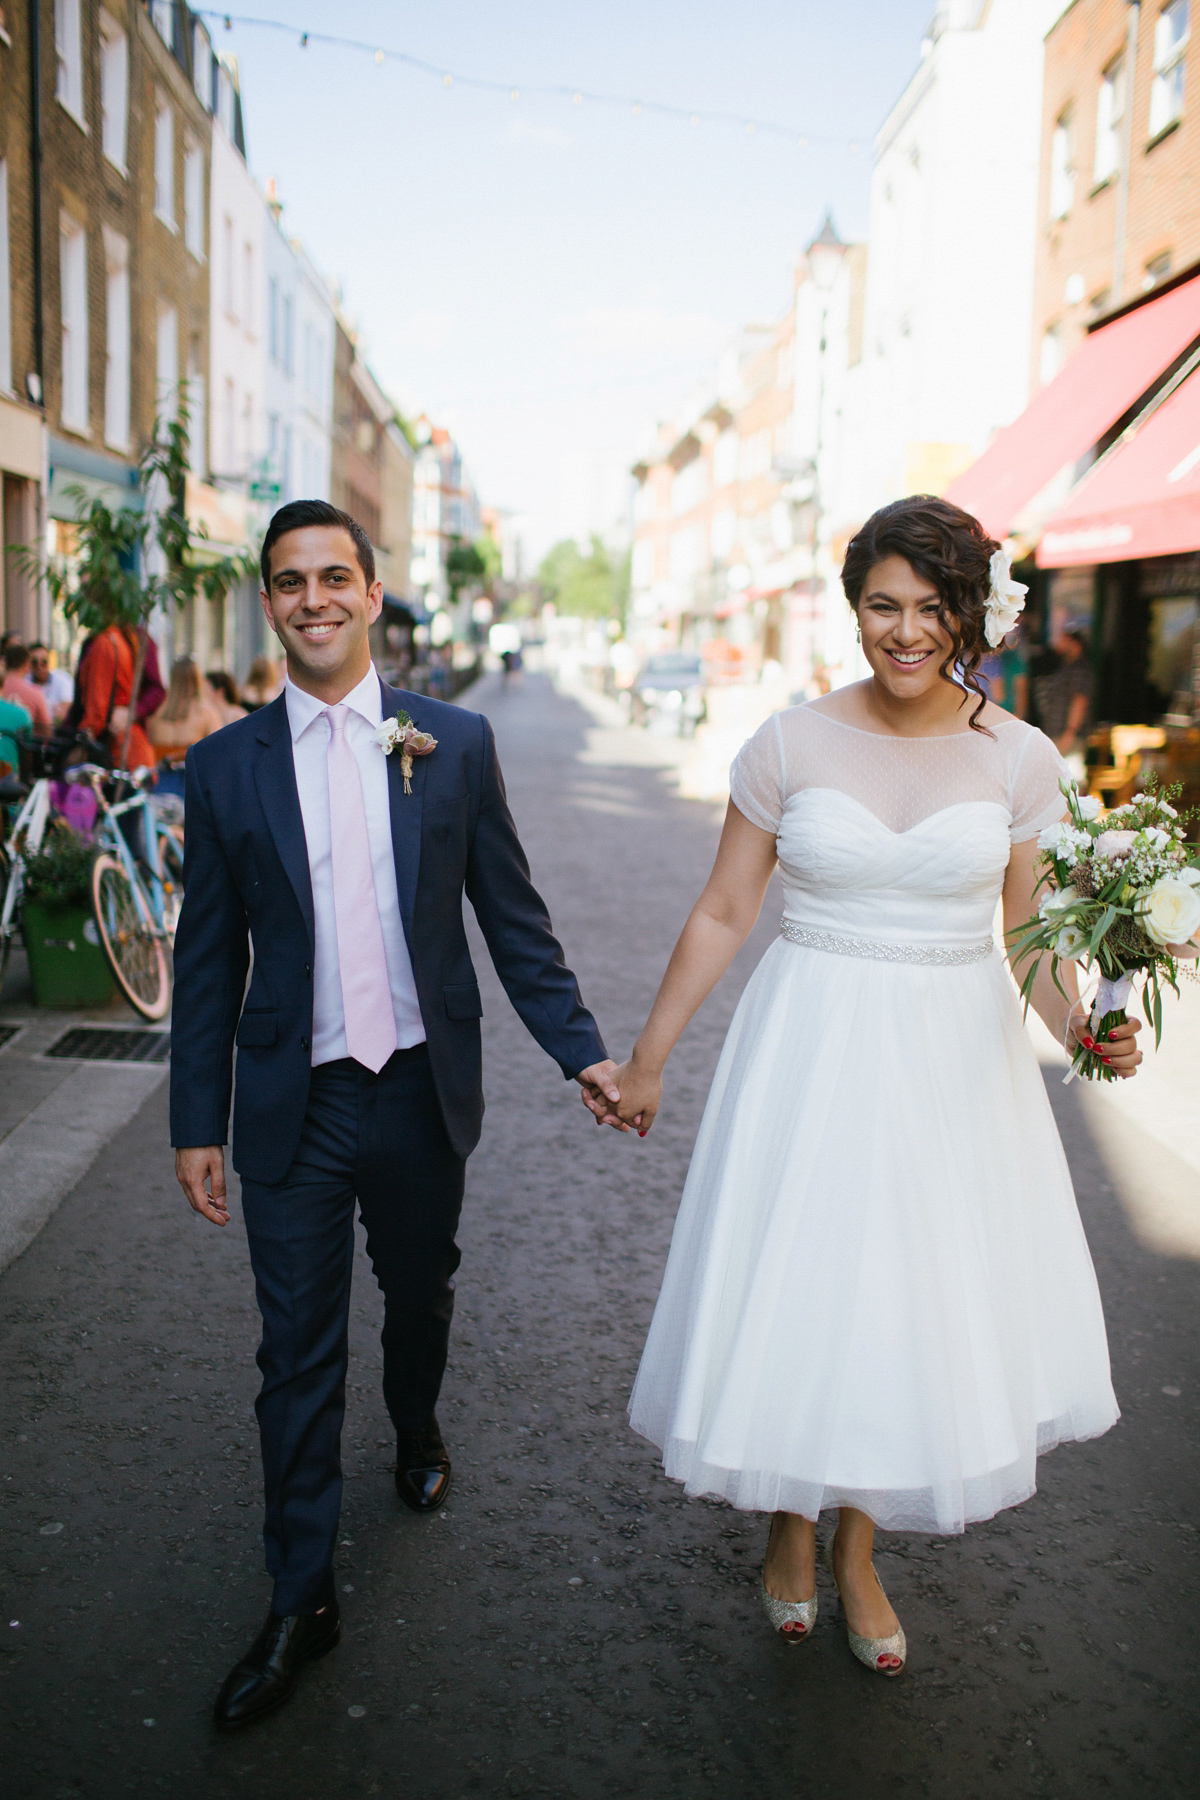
(823, 257)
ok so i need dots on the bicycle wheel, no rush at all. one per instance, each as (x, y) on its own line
(7, 932)
(135, 952)
(170, 850)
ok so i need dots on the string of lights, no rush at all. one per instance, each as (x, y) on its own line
(515, 92)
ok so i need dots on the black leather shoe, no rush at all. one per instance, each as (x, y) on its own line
(267, 1674)
(422, 1468)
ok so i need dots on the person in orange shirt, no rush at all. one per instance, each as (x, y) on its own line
(106, 690)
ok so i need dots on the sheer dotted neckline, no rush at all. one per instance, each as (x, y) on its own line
(896, 737)
(1018, 769)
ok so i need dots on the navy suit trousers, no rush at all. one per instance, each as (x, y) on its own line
(378, 1140)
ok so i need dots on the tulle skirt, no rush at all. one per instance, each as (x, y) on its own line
(879, 1293)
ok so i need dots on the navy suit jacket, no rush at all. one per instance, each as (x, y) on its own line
(246, 877)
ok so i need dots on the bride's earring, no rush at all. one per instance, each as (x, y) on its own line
(858, 633)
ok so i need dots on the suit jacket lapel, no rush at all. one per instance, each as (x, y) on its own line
(275, 779)
(405, 809)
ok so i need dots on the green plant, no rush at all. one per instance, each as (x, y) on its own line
(464, 565)
(595, 586)
(111, 581)
(60, 874)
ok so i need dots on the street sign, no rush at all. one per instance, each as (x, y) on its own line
(264, 490)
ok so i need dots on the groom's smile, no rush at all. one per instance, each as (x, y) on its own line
(321, 606)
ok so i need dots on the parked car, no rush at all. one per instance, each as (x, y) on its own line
(670, 687)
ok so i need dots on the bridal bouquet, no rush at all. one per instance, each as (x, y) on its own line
(1122, 893)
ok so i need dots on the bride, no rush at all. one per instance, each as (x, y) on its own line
(879, 1297)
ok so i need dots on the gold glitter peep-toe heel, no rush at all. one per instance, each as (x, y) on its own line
(871, 1651)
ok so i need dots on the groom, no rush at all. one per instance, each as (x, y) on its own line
(344, 864)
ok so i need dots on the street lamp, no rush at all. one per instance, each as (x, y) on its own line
(823, 257)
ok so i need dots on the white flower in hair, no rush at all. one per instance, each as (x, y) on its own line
(1005, 601)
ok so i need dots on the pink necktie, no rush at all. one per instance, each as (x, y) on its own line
(366, 990)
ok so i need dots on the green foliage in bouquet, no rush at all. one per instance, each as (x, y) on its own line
(61, 872)
(1121, 893)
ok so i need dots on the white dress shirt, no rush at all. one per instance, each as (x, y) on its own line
(310, 746)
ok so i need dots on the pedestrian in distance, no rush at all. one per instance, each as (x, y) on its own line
(341, 826)
(224, 695)
(19, 687)
(878, 1296)
(55, 683)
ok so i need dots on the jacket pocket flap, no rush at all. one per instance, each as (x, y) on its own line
(257, 1029)
(463, 1001)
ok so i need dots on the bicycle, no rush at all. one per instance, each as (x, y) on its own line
(135, 898)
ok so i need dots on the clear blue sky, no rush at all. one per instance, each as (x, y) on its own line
(546, 278)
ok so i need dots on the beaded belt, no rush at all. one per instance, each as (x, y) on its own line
(880, 952)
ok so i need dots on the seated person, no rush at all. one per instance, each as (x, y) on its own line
(186, 715)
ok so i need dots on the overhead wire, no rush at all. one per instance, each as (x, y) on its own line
(576, 94)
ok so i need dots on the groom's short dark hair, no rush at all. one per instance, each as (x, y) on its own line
(299, 513)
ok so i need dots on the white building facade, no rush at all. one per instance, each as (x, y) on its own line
(237, 215)
(298, 368)
(946, 327)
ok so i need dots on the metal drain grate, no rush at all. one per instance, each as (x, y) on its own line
(92, 1043)
(7, 1034)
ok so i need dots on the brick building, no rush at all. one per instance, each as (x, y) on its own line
(22, 432)
(1119, 197)
(106, 146)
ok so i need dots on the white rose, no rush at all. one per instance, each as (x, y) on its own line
(1170, 911)
(1071, 943)
(1005, 601)
(1115, 844)
(1089, 806)
(1058, 900)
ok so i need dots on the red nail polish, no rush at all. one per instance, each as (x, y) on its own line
(641, 1134)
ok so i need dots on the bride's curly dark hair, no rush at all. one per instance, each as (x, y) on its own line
(952, 551)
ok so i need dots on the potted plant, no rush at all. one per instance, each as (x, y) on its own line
(67, 967)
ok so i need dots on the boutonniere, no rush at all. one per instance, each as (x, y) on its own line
(399, 733)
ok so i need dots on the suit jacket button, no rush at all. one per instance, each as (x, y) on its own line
(304, 1043)
(307, 970)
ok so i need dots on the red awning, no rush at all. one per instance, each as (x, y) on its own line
(1143, 501)
(1108, 372)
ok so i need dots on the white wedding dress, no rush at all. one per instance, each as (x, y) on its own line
(878, 1291)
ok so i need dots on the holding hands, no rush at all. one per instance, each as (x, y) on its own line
(627, 1098)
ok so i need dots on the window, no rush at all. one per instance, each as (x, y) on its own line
(202, 66)
(273, 318)
(1110, 111)
(224, 106)
(72, 263)
(285, 474)
(247, 434)
(193, 199)
(227, 271)
(1062, 173)
(68, 51)
(163, 14)
(197, 423)
(288, 365)
(114, 90)
(248, 289)
(116, 340)
(1156, 270)
(725, 459)
(164, 163)
(166, 363)
(229, 426)
(1171, 31)
(6, 385)
(1051, 359)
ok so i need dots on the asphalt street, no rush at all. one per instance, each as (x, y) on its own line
(570, 1625)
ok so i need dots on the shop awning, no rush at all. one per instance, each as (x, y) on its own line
(1143, 500)
(1106, 375)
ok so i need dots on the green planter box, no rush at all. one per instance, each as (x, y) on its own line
(67, 967)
